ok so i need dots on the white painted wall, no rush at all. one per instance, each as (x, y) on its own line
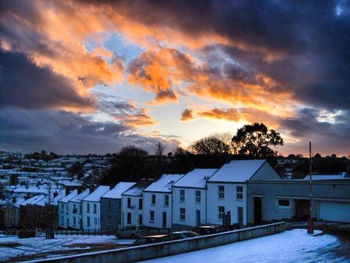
(159, 208)
(95, 224)
(134, 210)
(63, 215)
(74, 215)
(230, 202)
(190, 206)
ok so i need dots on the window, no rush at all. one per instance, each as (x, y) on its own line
(283, 203)
(140, 219)
(166, 200)
(109, 204)
(88, 207)
(129, 202)
(140, 204)
(182, 195)
(109, 219)
(129, 218)
(221, 192)
(221, 212)
(151, 216)
(182, 214)
(80, 209)
(75, 209)
(119, 206)
(74, 221)
(239, 190)
(95, 208)
(153, 199)
(88, 221)
(198, 196)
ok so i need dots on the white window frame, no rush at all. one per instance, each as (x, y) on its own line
(239, 194)
(182, 195)
(198, 196)
(221, 212)
(283, 206)
(221, 192)
(182, 214)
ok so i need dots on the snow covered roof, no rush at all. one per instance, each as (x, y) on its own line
(138, 188)
(33, 200)
(164, 183)
(70, 183)
(118, 189)
(69, 196)
(326, 177)
(80, 196)
(196, 178)
(237, 171)
(96, 195)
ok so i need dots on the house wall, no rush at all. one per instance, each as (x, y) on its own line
(159, 208)
(63, 215)
(110, 214)
(95, 223)
(134, 211)
(230, 202)
(270, 191)
(74, 215)
(266, 172)
(190, 206)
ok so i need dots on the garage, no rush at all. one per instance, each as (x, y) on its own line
(335, 211)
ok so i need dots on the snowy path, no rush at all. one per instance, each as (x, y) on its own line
(291, 246)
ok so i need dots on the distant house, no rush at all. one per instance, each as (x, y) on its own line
(91, 209)
(111, 206)
(75, 210)
(157, 201)
(227, 190)
(63, 216)
(190, 198)
(132, 204)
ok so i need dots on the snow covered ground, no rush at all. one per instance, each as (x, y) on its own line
(12, 246)
(289, 246)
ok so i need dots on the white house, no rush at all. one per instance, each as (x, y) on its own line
(157, 201)
(190, 198)
(111, 206)
(75, 210)
(91, 209)
(63, 219)
(132, 204)
(227, 190)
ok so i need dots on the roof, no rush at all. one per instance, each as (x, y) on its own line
(138, 188)
(237, 171)
(33, 200)
(69, 196)
(326, 177)
(96, 195)
(196, 178)
(80, 196)
(164, 183)
(118, 189)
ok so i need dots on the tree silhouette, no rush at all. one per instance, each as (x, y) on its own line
(255, 141)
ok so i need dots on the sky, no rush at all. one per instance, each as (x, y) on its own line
(95, 76)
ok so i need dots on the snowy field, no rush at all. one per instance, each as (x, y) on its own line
(12, 246)
(293, 246)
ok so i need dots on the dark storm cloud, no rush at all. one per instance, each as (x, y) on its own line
(64, 132)
(26, 85)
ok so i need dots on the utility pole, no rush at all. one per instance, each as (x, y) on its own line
(310, 223)
(49, 215)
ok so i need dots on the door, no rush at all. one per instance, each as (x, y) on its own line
(198, 217)
(240, 215)
(257, 210)
(164, 220)
(302, 209)
(335, 211)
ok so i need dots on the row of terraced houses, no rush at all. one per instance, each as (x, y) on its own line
(241, 191)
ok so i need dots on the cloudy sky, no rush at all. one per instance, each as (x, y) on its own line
(94, 76)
